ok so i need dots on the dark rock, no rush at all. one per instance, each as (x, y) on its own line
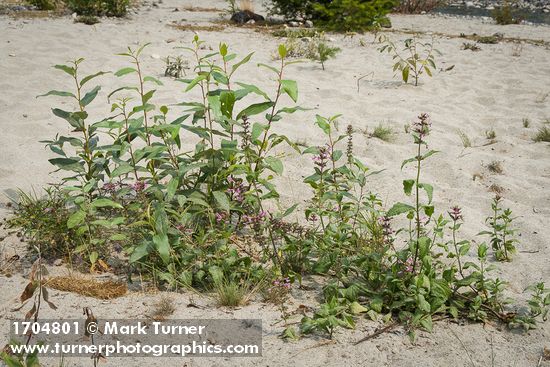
(244, 16)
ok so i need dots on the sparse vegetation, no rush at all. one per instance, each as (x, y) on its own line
(466, 142)
(231, 293)
(495, 167)
(542, 135)
(163, 308)
(491, 134)
(470, 46)
(526, 122)
(87, 19)
(384, 133)
(175, 66)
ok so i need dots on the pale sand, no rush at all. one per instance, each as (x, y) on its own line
(484, 90)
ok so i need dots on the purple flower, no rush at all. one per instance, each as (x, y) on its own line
(408, 265)
(110, 187)
(221, 217)
(455, 213)
(384, 221)
(138, 186)
(422, 126)
(236, 189)
(321, 159)
(255, 219)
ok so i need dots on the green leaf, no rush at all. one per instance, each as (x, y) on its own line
(355, 308)
(125, 71)
(274, 164)
(140, 252)
(282, 50)
(76, 218)
(249, 88)
(222, 200)
(257, 130)
(69, 70)
(67, 164)
(90, 77)
(429, 210)
(290, 87)
(407, 186)
(430, 153)
(405, 73)
(121, 170)
(429, 190)
(171, 188)
(105, 203)
(427, 323)
(163, 246)
(57, 93)
(243, 61)
(255, 109)
(153, 80)
(423, 304)
(90, 96)
(399, 208)
(195, 81)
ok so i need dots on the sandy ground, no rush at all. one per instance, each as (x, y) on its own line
(489, 89)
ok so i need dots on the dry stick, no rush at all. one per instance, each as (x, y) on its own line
(463, 346)
(378, 332)
(320, 344)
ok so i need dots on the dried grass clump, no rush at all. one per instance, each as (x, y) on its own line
(88, 287)
(163, 308)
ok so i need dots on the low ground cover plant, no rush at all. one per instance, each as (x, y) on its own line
(184, 195)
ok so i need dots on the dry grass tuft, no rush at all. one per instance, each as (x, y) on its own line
(497, 189)
(163, 308)
(495, 167)
(88, 287)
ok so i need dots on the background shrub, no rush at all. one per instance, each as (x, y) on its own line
(113, 8)
(43, 4)
(337, 15)
(505, 15)
(417, 6)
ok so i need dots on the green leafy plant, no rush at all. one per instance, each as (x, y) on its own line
(325, 52)
(502, 234)
(418, 58)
